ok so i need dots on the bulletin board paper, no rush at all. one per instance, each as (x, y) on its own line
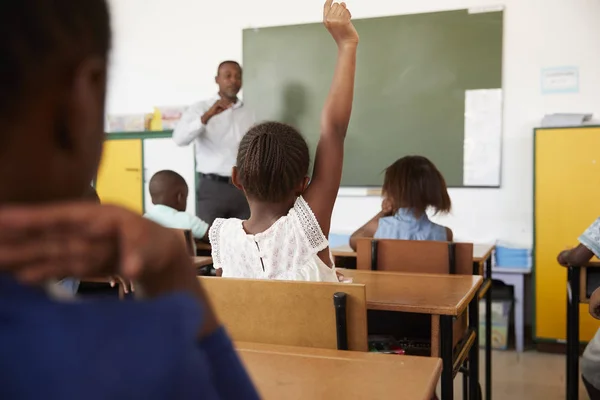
(483, 137)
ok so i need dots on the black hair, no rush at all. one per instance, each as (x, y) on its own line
(42, 40)
(229, 62)
(272, 161)
(166, 181)
(414, 182)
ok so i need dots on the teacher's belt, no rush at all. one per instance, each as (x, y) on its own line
(215, 177)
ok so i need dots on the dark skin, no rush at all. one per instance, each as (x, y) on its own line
(322, 192)
(580, 256)
(171, 195)
(368, 230)
(52, 233)
(229, 79)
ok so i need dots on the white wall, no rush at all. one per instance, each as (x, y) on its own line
(166, 53)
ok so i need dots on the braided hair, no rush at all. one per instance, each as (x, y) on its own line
(272, 161)
(42, 40)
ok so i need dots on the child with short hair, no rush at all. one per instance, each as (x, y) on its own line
(411, 187)
(286, 234)
(169, 193)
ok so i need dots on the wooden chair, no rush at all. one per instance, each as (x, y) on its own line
(304, 314)
(415, 256)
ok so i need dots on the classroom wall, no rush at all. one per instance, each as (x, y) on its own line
(166, 53)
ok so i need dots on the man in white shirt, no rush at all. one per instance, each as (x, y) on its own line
(216, 127)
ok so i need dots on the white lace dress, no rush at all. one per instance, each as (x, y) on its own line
(286, 251)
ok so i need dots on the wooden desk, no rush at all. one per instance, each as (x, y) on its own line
(282, 372)
(444, 297)
(343, 251)
(576, 293)
(482, 265)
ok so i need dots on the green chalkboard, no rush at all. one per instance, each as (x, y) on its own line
(412, 74)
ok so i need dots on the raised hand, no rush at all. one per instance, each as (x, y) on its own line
(338, 21)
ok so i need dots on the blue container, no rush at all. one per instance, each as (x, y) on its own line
(513, 257)
(338, 240)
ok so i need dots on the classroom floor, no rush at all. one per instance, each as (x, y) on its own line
(530, 375)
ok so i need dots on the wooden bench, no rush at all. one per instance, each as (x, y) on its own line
(306, 314)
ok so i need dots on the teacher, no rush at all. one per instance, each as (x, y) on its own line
(216, 126)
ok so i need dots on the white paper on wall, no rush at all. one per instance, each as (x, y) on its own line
(483, 137)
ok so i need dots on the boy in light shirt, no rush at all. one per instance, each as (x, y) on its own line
(169, 193)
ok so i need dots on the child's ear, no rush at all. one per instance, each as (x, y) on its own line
(305, 183)
(235, 179)
(302, 187)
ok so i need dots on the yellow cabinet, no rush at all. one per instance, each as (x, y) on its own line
(566, 202)
(120, 177)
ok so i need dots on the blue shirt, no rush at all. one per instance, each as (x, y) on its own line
(171, 218)
(404, 226)
(112, 350)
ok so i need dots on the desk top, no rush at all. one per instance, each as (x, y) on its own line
(202, 261)
(306, 373)
(481, 252)
(417, 293)
(594, 263)
(343, 251)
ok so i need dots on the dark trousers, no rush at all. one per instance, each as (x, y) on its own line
(215, 199)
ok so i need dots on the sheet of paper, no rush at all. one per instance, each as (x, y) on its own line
(560, 80)
(483, 137)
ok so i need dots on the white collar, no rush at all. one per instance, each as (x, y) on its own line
(238, 104)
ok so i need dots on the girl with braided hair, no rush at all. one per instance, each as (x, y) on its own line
(286, 234)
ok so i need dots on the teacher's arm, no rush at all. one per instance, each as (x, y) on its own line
(190, 126)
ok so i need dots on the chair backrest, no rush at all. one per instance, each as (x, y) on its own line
(304, 314)
(188, 239)
(415, 256)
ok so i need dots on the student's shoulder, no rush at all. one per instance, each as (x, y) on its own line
(222, 226)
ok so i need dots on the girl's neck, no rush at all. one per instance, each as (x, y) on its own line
(416, 213)
(264, 214)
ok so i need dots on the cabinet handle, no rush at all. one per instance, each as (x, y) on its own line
(132, 170)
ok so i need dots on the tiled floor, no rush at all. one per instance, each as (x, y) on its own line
(530, 375)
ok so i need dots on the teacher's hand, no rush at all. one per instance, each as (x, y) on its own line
(216, 109)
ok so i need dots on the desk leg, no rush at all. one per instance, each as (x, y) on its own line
(447, 357)
(573, 276)
(488, 332)
(474, 351)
